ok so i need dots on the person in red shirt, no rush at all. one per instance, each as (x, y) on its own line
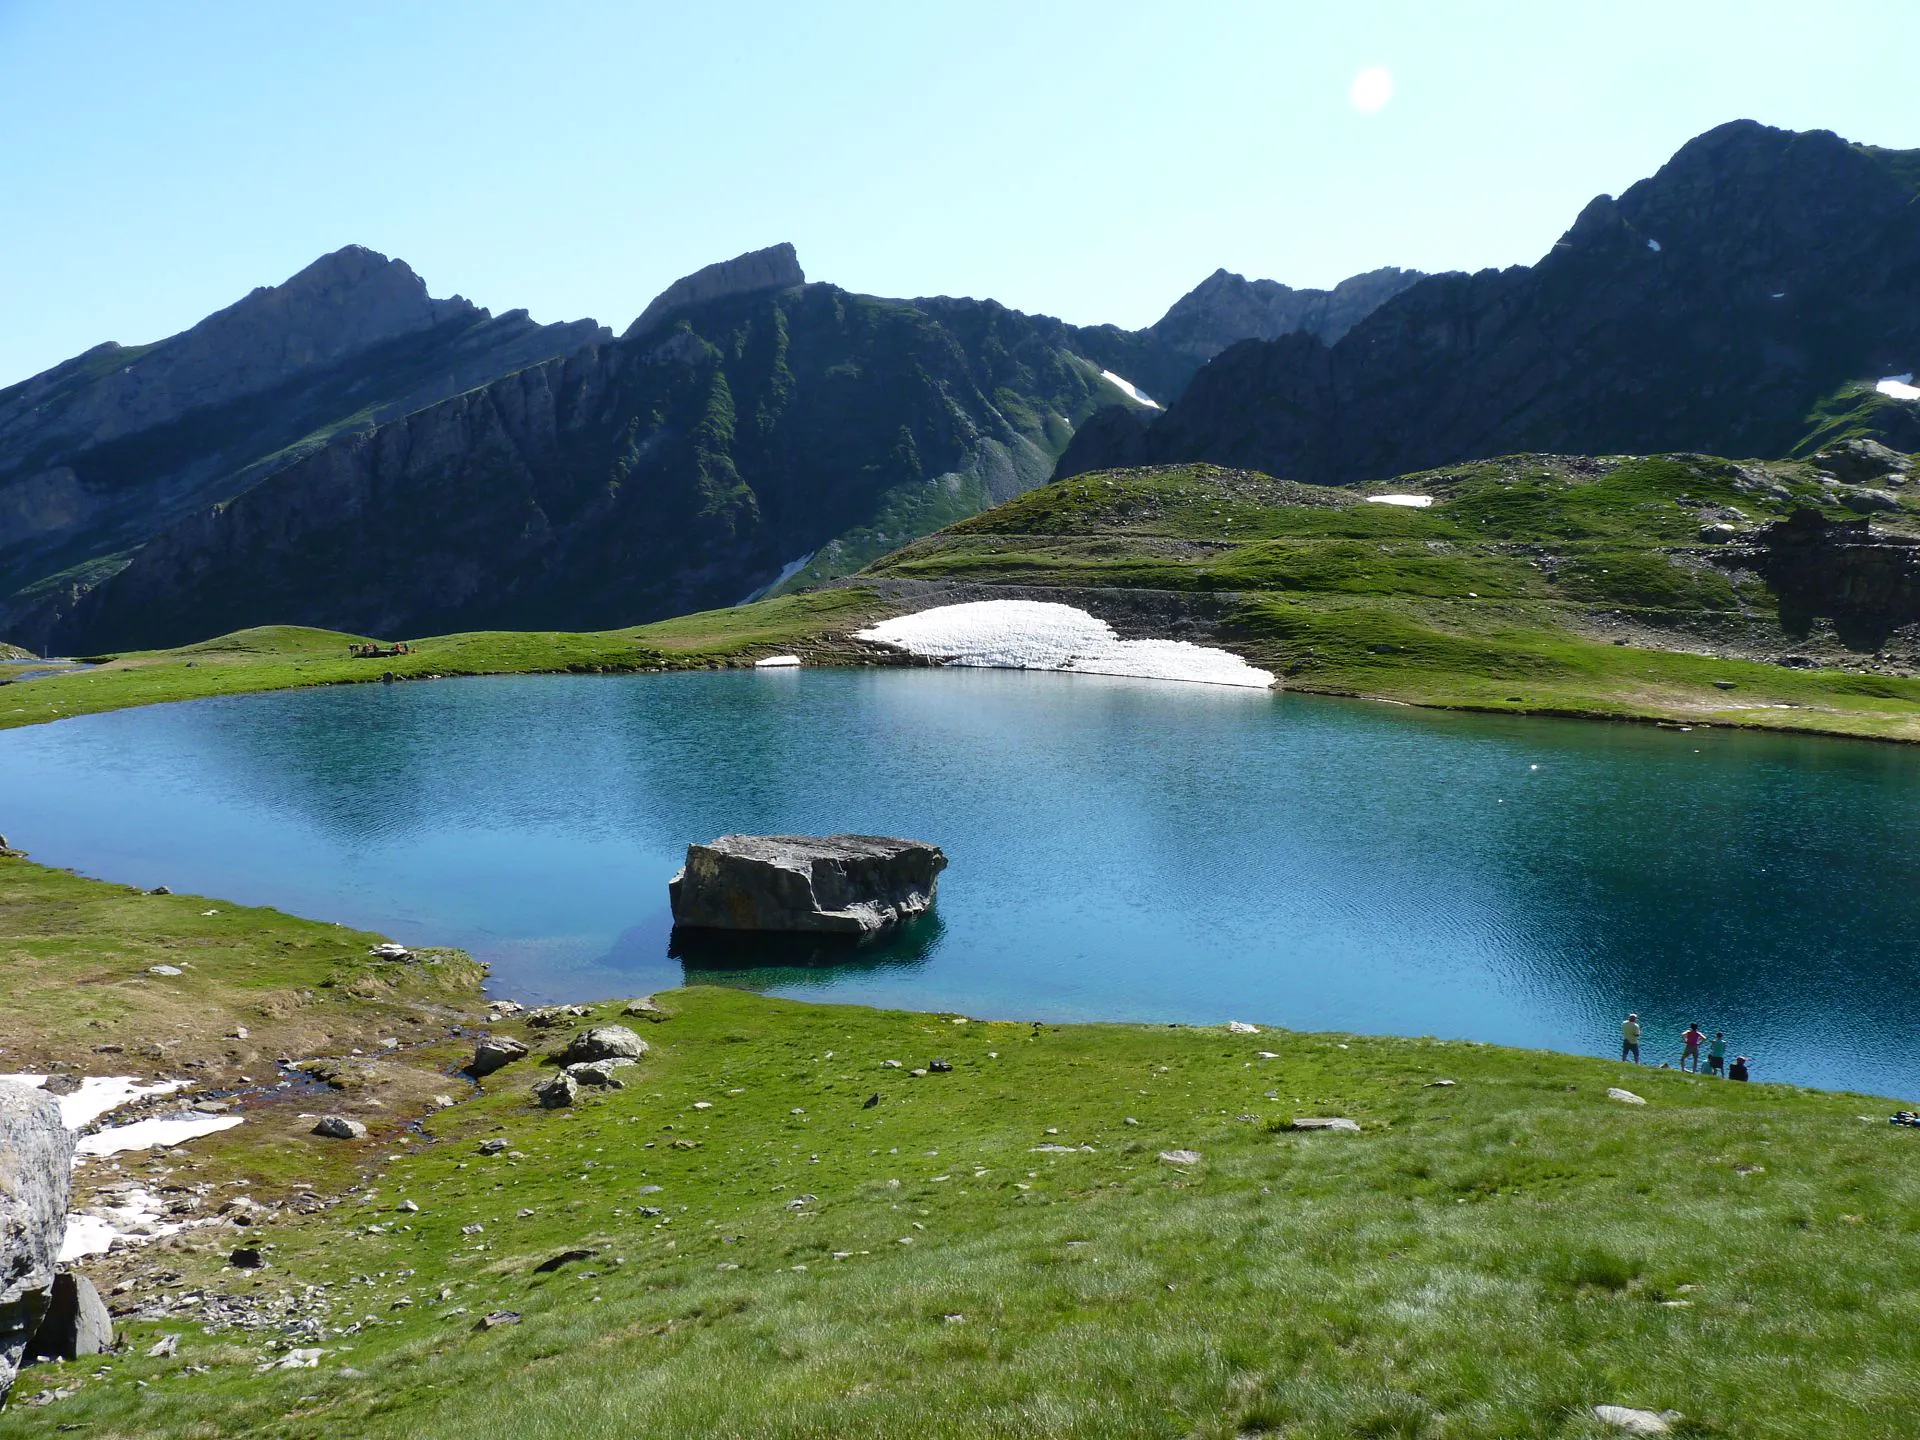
(1693, 1039)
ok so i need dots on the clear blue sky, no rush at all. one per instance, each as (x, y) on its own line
(1092, 161)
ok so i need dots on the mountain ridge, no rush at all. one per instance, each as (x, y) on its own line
(1711, 307)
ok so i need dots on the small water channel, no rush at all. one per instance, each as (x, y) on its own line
(1124, 850)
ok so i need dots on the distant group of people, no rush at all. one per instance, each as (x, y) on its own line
(1693, 1039)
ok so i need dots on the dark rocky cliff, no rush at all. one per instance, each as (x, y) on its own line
(1712, 307)
(670, 471)
(101, 453)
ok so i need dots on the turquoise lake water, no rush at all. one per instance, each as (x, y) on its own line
(1121, 850)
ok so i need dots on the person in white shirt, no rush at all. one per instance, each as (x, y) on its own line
(1630, 1038)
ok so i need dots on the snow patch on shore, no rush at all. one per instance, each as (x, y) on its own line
(146, 1134)
(98, 1095)
(777, 662)
(1042, 635)
(1412, 502)
(1130, 390)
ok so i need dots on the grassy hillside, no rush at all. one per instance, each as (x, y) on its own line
(284, 657)
(1534, 583)
(742, 1243)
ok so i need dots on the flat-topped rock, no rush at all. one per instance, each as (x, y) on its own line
(853, 885)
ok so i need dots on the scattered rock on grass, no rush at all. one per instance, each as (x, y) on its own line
(168, 971)
(939, 1066)
(248, 1257)
(390, 951)
(1180, 1157)
(603, 1042)
(1625, 1097)
(494, 1053)
(1637, 1422)
(492, 1147)
(338, 1127)
(1241, 1027)
(494, 1319)
(1333, 1122)
(645, 1006)
(557, 1092)
(600, 1072)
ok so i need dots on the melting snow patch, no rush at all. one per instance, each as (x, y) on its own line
(777, 662)
(1041, 635)
(133, 1217)
(145, 1134)
(1131, 390)
(1899, 387)
(1412, 502)
(1654, 245)
(98, 1094)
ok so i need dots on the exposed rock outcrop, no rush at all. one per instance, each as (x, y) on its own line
(36, 1166)
(856, 885)
(1865, 581)
(773, 268)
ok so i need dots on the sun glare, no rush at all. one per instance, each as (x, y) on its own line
(1372, 88)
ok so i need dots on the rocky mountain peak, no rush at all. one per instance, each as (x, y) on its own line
(774, 268)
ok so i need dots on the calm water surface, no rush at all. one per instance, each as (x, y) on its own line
(1120, 849)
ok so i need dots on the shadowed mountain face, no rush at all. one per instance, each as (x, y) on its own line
(1226, 308)
(749, 430)
(1719, 306)
(103, 452)
(677, 468)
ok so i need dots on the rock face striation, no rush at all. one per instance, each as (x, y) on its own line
(854, 885)
(36, 1166)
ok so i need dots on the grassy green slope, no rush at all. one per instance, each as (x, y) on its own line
(282, 657)
(1533, 583)
(1489, 1258)
(1536, 585)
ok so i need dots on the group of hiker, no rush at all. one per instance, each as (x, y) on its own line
(1693, 1039)
(361, 651)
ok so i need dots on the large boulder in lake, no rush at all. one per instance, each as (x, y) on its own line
(854, 885)
(36, 1178)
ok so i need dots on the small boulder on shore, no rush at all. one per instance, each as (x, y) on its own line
(338, 1127)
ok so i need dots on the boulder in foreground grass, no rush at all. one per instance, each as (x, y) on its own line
(36, 1164)
(495, 1053)
(338, 1127)
(603, 1042)
(557, 1091)
(76, 1322)
(855, 885)
(1637, 1422)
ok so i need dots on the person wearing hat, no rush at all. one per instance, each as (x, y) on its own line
(1737, 1070)
(1630, 1037)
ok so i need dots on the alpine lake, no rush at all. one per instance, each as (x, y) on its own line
(1119, 849)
